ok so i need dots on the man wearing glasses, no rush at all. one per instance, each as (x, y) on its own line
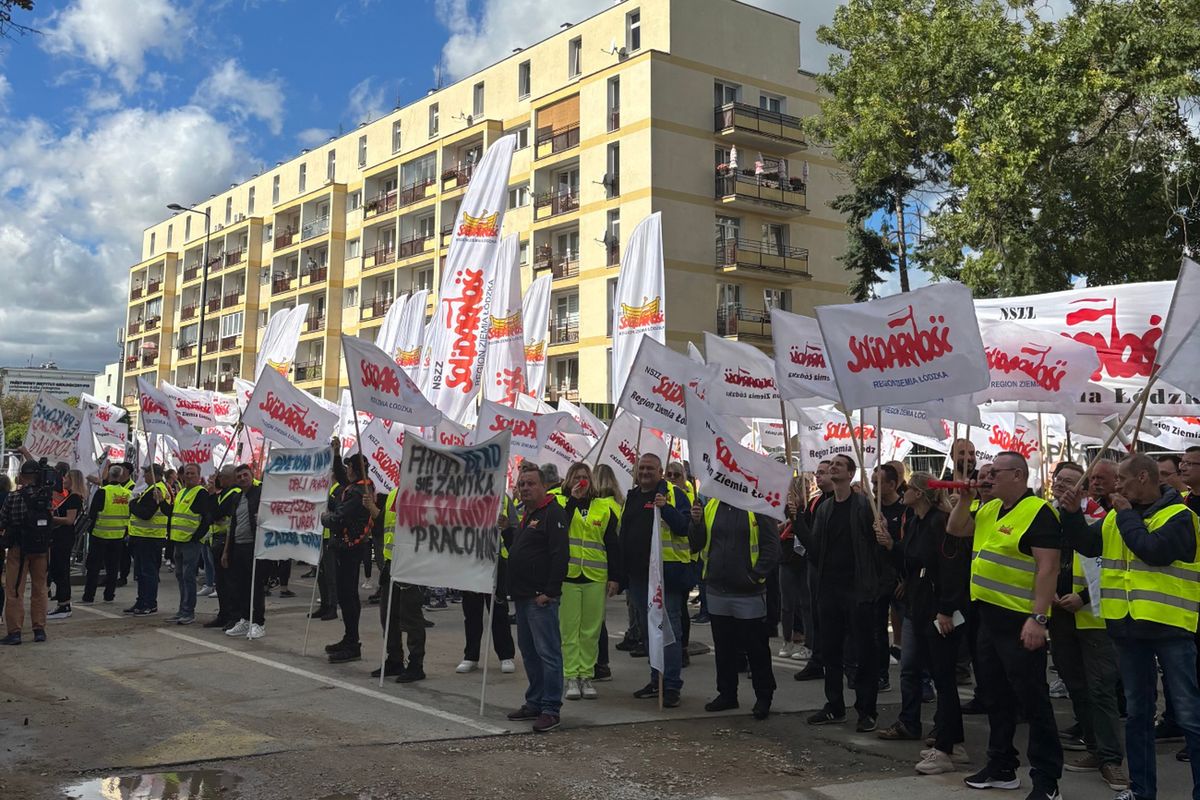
(1014, 577)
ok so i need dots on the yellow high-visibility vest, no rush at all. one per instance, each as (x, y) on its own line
(184, 520)
(1085, 620)
(588, 556)
(710, 513)
(221, 526)
(156, 526)
(113, 519)
(1129, 587)
(332, 490)
(1001, 574)
(675, 548)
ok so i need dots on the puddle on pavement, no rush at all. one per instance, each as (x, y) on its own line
(198, 785)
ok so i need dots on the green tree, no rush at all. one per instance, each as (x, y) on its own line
(15, 410)
(9, 26)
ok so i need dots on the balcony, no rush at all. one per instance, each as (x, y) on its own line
(314, 276)
(215, 263)
(735, 321)
(745, 190)
(415, 192)
(135, 292)
(153, 323)
(314, 323)
(214, 304)
(131, 362)
(211, 345)
(551, 204)
(188, 312)
(149, 360)
(378, 257)
(318, 227)
(560, 265)
(154, 287)
(308, 371)
(564, 331)
(416, 245)
(457, 176)
(225, 383)
(554, 141)
(209, 384)
(231, 342)
(232, 299)
(738, 122)
(134, 328)
(375, 308)
(282, 282)
(446, 235)
(785, 264)
(381, 203)
(235, 257)
(186, 350)
(191, 273)
(285, 239)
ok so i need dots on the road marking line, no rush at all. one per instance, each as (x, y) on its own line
(376, 695)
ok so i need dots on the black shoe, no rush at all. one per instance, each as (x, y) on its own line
(721, 703)
(885, 685)
(338, 645)
(650, 690)
(866, 724)
(700, 619)
(411, 674)
(133, 609)
(12, 638)
(349, 653)
(991, 778)
(811, 672)
(390, 670)
(316, 613)
(638, 652)
(329, 614)
(373, 599)
(429, 623)
(285, 592)
(1167, 731)
(827, 717)
(312, 573)
(122, 581)
(524, 713)
(1073, 732)
(1182, 755)
(626, 645)
(39, 634)
(1075, 744)
(602, 672)
(762, 709)
(87, 601)
(974, 706)
(670, 698)
(215, 623)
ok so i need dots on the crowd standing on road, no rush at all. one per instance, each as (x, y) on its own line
(1101, 574)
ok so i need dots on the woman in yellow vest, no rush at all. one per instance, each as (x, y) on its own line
(605, 482)
(591, 578)
(147, 533)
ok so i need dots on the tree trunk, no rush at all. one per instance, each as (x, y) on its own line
(901, 241)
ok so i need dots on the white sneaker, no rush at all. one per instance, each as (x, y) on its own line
(257, 631)
(213, 593)
(204, 591)
(589, 691)
(1058, 689)
(801, 653)
(936, 763)
(508, 666)
(466, 666)
(240, 629)
(574, 689)
(959, 756)
(787, 650)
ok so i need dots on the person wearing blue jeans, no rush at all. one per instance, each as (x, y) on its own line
(540, 641)
(187, 562)
(672, 653)
(147, 559)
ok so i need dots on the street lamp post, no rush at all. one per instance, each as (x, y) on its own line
(203, 285)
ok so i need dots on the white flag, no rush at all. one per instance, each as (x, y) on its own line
(564, 449)
(1179, 350)
(193, 406)
(388, 337)
(639, 311)
(461, 318)
(278, 348)
(745, 382)
(906, 348)
(383, 445)
(206, 450)
(529, 430)
(295, 489)
(660, 632)
(730, 472)
(380, 387)
(412, 333)
(157, 412)
(1045, 371)
(101, 410)
(654, 387)
(286, 415)
(588, 422)
(448, 434)
(801, 367)
(504, 373)
(620, 448)
(536, 315)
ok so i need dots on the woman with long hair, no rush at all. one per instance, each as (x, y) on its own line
(605, 481)
(936, 570)
(68, 506)
(592, 565)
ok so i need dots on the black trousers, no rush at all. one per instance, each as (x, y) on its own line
(403, 603)
(283, 572)
(883, 650)
(327, 581)
(249, 605)
(348, 562)
(734, 637)
(939, 654)
(474, 608)
(59, 573)
(126, 559)
(844, 619)
(227, 596)
(812, 639)
(104, 553)
(1016, 679)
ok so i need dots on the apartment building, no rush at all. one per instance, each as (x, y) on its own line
(688, 107)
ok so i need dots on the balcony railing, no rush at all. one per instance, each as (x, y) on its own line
(214, 304)
(385, 254)
(318, 227)
(225, 383)
(414, 192)
(135, 292)
(282, 283)
(186, 350)
(191, 273)
(782, 192)
(149, 360)
(559, 202)
(152, 323)
(285, 239)
(564, 332)
(231, 299)
(308, 371)
(153, 287)
(188, 312)
(314, 323)
(556, 140)
(376, 307)
(216, 262)
(381, 203)
(209, 384)
(457, 176)
(762, 255)
(230, 342)
(446, 235)
(211, 345)
(758, 121)
(734, 320)
(414, 245)
(560, 265)
(134, 328)
(314, 275)
(131, 362)
(234, 258)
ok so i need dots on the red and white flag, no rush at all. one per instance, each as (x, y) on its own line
(388, 337)
(383, 445)
(448, 434)
(1179, 350)
(620, 449)
(461, 318)
(206, 450)
(412, 334)
(529, 430)
(287, 416)
(536, 315)
(745, 382)
(193, 406)
(639, 311)
(280, 339)
(654, 387)
(157, 412)
(380, 387)
(801, 366)
(589, 423)
(504, 371)
(224, 409)
(1043, 370)
(660, 633)
(564, 449)
(905, 349)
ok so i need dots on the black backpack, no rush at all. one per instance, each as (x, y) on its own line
(36, 533)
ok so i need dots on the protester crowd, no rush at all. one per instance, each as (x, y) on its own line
(968, 574)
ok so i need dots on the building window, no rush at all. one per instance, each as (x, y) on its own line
(777, 298)
(524, 79)
(433, 120)
(522, 134)
(353, 248)
(633, 30)
(726, 93)
(350, 297)
(564, 318)
(331, 165)
(774, 238)
(268, 230)
(612, 299)
(477, 100)
(575, 57)
(152, 238)
(231, 325)
(564, 376)
(770, 102)
(524, 256)
(362, 151)
(423, 279)
(612, 238)
(228, 210)
(356, 200)
(612, 178)
(728, 229)
(303, 177)
(396, 138)
(275, 191)
(614, 103)
(262, 318)
(187, 228)
(518, 196)
(250, 202)
(170, 235)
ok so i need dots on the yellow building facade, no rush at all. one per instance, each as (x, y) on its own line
(687, 107)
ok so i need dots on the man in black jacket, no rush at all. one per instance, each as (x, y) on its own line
(239, 559)
(537, 566)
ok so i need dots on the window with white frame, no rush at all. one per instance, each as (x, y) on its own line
(362, 150)
(611, 290)
(612, 183)
(303, 179)
(524, 255)
(355, 200)
(633, 30)
(350, 297)
(331, 165)
(275, 191)
(564, 375)
(614, 102)
(772, 102)
(228, 210)
(777, 298)
(524, 79)
(396, 137)
(423, 279)
(518, 196)
(231, 325)
(353, 248)
(153, 236)
(477, 100)
(575, 57)
(725, 92)
(522, 134)
(170, 235)
(187, 228)
(250, 202)
(433, 120)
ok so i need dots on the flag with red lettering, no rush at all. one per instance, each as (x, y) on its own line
(388, 336)
(280, 339)
(801, 367)
(106, 420)
(383, 445)
(242, 389)
(639, 309)
(535, 312)
(589, 423)
(825, 433)
(529, 430)
(564, 449)
(101, 410)
(1179, 350)
(295, 490)
(504, 372)
(193, 406)
(205, 450)
(1175, 433)
(1008, 431)
(654, 388)
(287, 416)
(448, 433)
(905, 349)
(380, 387)
(730, 472)
(347, 429)
(412, 333)
(745, 382)
(224, 409)
(627, 438)
(660, 634)
(464, 299)
(1045, 371)
(157, 412)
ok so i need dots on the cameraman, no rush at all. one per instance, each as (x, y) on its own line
(25, 521)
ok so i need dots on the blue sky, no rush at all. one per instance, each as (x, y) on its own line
(121, 106)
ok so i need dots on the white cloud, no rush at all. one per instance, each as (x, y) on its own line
(115, 35)
(484, 31)
(72, 210)
(311, 137)
(368, 101)
(5, 90)
(231, 89)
